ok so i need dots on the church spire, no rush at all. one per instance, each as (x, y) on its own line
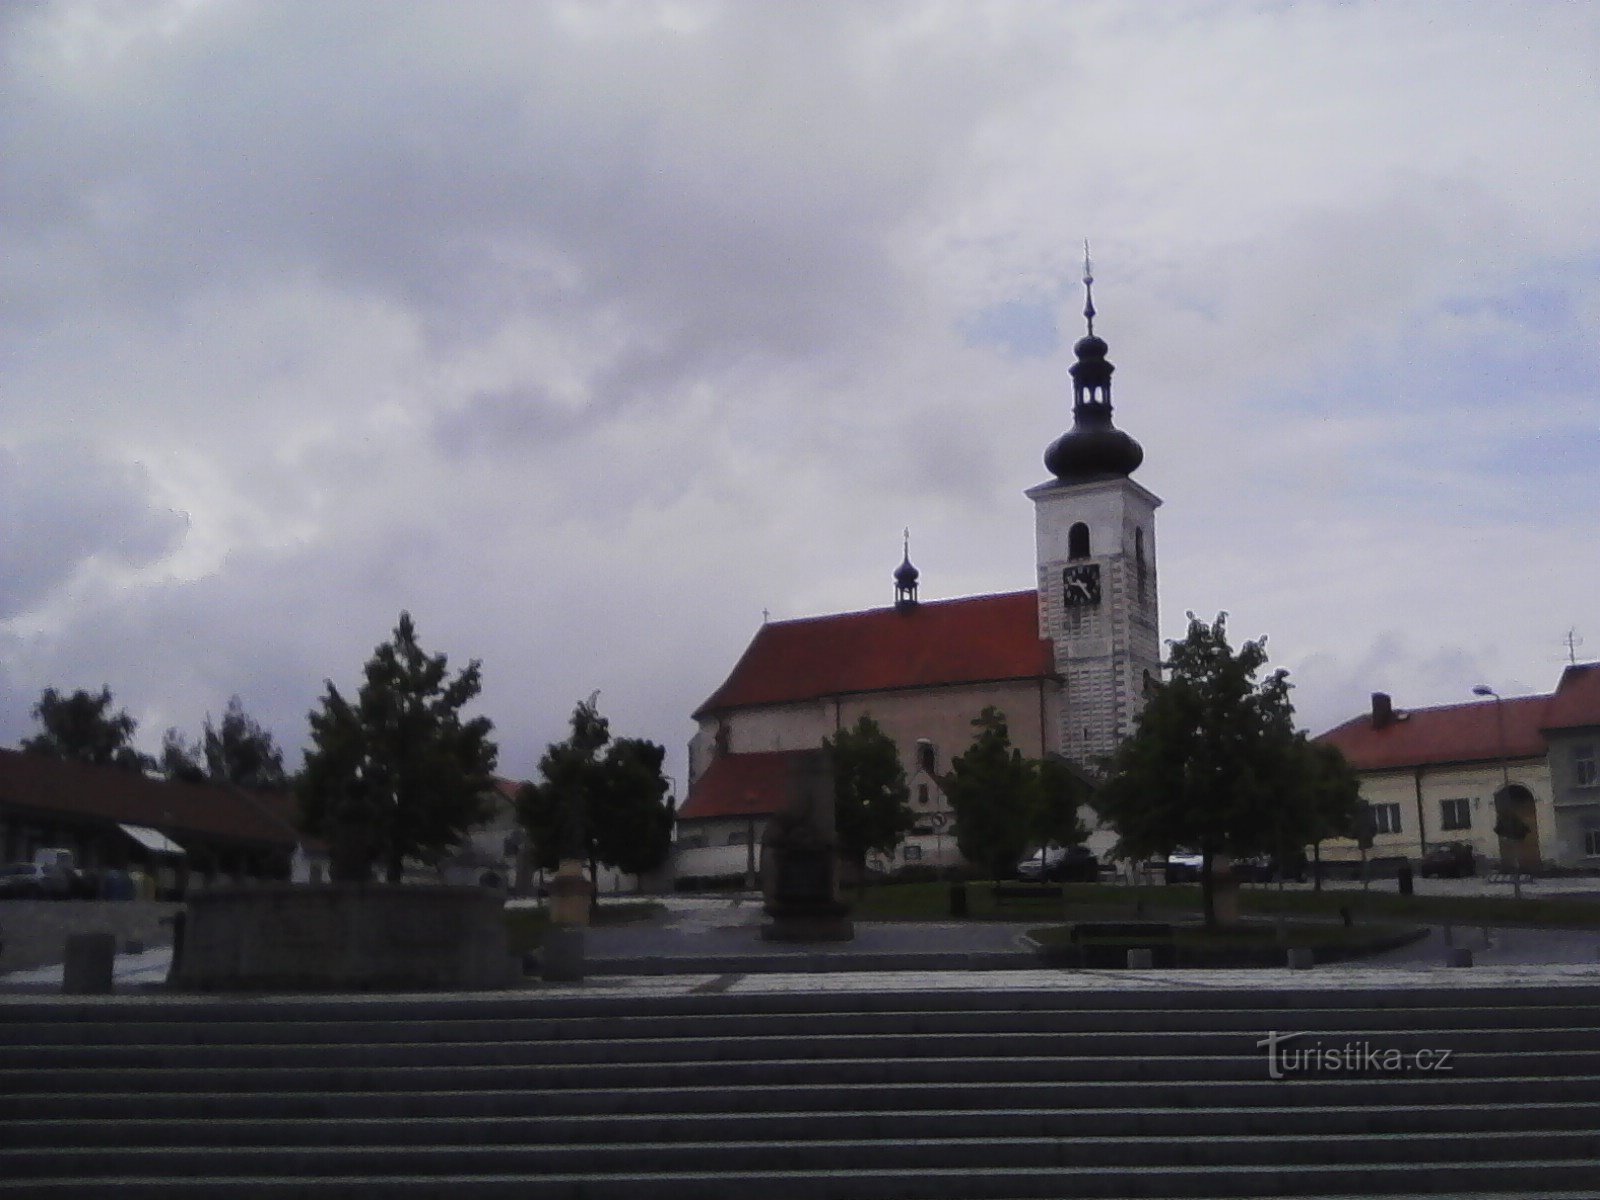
(905, 578)
(1093, 448)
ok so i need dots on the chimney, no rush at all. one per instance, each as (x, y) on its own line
(1382, 710)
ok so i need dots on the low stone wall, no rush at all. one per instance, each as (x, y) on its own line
(33, 933)
(344, 937)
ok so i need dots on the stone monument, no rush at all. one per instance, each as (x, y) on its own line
(800, 859)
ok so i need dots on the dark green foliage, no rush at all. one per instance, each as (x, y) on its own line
(990, 789)
(1060, 793)
(180, 759)
(1006, 804)
(242, 753)
(82, 728)
(600, 801)
(398, 773)
(1214, 763)
(871, 801)
(239, 752)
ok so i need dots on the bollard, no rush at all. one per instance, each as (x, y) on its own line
(88, 968)
(1141, 959)
(1458, 956)
(561, 955)
(958, 900)
(1406, 886)
(1301, 958)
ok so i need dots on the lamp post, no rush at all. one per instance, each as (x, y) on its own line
(1504, 796)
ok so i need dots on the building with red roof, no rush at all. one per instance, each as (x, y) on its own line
(923, 672)
(1444, 774)
(115, 818)
(1067, 661)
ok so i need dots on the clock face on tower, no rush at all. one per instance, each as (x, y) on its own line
(1080, 585)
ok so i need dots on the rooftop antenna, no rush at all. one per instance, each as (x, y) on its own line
(1574, 640)
(1088, 289)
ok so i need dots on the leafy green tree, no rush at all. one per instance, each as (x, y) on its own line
(602, 801)
(1212, 763)
(1325, 797)
(398, 773)
(180, 759)
(82, 728)
(239, 751)
(1060, 792)
(991, 790)
(871, 799)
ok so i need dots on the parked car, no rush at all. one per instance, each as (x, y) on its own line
(1265, 868)
(1184, 866)
(30, 881)
(1062, 864)
(1448, 860)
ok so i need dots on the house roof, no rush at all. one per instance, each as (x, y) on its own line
(1470, 732)
(1576, 702)
(977, 639)
(76, 790)
(742, 785)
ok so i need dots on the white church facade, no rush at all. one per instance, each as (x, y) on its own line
(1068, 661)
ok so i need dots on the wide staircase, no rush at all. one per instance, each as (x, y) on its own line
(821, 1095)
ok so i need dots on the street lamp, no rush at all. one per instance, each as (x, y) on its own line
(1504, 796)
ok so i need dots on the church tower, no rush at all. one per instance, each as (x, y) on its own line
(1096, 536)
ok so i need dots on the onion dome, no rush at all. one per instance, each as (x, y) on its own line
(1093, 448)
(905, 579)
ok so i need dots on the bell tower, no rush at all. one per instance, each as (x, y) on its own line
(1095, 532)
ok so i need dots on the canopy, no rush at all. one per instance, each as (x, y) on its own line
(152, 840)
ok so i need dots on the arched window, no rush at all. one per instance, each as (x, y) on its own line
(1078, 541)
(1138, 560)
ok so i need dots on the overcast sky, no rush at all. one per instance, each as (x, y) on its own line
(586, 332)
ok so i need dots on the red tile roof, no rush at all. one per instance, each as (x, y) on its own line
(978, 639)
(741, 785)
(1576, 703)
(1470, 732)
(74, 790)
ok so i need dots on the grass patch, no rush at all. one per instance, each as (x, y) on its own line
(1102, 901)
(526, 927)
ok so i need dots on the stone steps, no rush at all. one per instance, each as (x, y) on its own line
(871, 1095)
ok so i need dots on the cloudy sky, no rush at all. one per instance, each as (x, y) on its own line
(587, 332)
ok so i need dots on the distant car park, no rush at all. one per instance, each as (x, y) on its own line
(1061, 864)
(30, 881)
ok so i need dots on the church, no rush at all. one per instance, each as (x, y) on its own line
(1068, 661)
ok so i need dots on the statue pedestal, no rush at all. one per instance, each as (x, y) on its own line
(802, 898)
(800, 862)
(570, 894)
(1224, 891)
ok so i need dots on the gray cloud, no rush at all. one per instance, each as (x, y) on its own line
(588, 332)
(63, 505)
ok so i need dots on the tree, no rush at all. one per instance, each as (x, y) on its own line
(1213, 763)
(239, 752)
(991, 791)
(398, 773)
(871, 800)
(180, 759)
(82, 728)
(602, 801)
(242, 753)
(1059, 793)
(1328, 802)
